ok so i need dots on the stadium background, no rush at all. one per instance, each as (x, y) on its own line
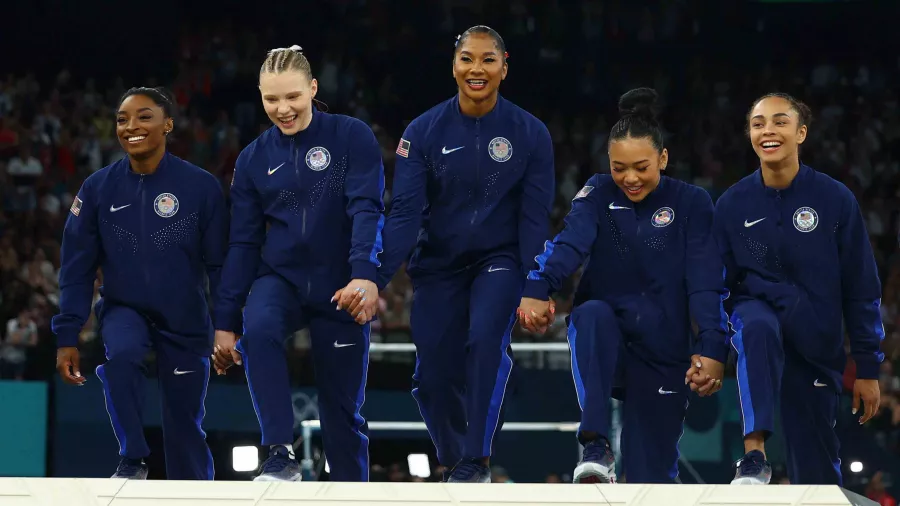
(64, 65)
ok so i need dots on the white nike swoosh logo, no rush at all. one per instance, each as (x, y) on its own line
(272, 171)
(113, 209)
(179, 373)
(446, 151)
(613, 206)
(337, 345)
(748, 224)
(665, 392)
(817, 384)
(495, 269)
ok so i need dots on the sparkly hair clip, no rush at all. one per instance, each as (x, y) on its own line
(456, 44)
(295, 48)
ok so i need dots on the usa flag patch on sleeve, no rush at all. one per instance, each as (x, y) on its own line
(403, 148)
(76, 206)
(583, 192)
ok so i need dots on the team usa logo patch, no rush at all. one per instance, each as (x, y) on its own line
(663, 217)
(165, 205)
(806, 219)
(76, 206)
(500, 149)
(584, 192)
(403, 148)
(318, 158)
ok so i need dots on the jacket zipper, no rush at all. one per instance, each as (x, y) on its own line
(477, 168)
(780, 250)
(295, 153)
(144, 261)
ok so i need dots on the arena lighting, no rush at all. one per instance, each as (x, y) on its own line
(856, 466)
(244, 458)
(419, 465)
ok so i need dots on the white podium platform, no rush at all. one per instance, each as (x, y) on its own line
(109, 492)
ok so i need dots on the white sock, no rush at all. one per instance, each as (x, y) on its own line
(289, 448)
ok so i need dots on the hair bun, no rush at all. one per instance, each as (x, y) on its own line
(639, 102)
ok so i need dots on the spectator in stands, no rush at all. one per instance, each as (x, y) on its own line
(8, 137)
(24, 171)
(21, 335)
(500, 475)
(877, 489)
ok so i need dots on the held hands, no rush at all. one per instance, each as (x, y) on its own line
(224, 353)
(869, 391)
(359, 298)
(536, 315)
(67, 363)
(705, 375)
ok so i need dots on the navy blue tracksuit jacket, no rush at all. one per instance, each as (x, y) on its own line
(657, 255)
(799, 264)
(157, 239)
(650, 266)
(310, 213)
(471, 201)
(154, 245)
(307, 217)
(468, 189)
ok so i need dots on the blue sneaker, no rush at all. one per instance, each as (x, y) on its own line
(598, 464)
(280, 466)
(470, 471)
(752, 469)
(131, 469)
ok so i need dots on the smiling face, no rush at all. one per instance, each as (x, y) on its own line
(287, 98)
(479, 66)
(636, 165)
(776, 130)
(141, 126)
